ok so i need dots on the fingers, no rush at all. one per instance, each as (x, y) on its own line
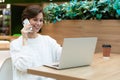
(24, 31)
(28, 27)
(24, 35)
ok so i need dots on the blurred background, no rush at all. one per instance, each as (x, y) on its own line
(10, 14)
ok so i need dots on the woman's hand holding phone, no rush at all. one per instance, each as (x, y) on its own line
(26, 29)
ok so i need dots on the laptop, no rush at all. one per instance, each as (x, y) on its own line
(76, 52)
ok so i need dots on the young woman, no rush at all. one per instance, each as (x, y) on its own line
(32, 49)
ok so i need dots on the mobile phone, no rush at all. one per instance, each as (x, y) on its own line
(25, 22)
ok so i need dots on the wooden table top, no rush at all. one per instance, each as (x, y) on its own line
(4, 45)
(100, 69)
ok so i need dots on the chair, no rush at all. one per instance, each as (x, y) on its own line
(6, 70)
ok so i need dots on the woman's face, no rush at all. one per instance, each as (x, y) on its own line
(37, 22)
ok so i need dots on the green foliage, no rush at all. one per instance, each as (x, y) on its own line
(16, 35)
(83, 10)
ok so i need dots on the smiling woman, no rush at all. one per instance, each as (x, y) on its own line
(32, 49)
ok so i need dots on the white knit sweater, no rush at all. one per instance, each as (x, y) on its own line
(38, 51)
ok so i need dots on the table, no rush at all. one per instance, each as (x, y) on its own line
(8, 38)
(5, 37)
(100, 69)
(4, 45)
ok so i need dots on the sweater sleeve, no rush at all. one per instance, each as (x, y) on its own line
(55, 48)
(21, 57)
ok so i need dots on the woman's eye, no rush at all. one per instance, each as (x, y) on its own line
(35, 19)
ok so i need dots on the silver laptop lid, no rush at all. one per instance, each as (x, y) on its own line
(77, 52)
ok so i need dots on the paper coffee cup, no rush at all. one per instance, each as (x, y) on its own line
(106, 50)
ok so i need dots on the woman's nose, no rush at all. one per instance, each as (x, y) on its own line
(38, 22)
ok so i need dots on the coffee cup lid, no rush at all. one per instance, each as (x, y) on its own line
(106, 45)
